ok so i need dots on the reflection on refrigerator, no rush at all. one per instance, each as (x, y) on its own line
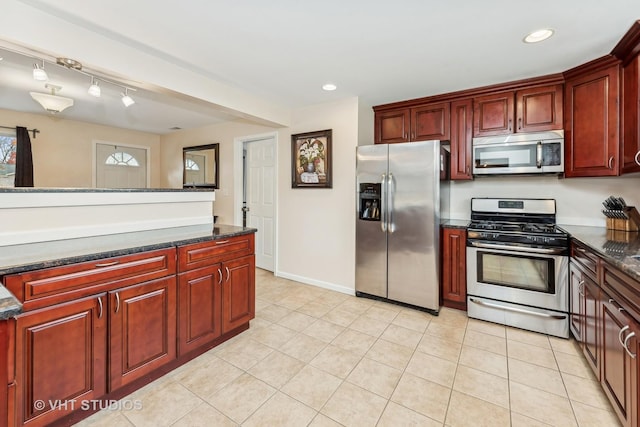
(402, 192)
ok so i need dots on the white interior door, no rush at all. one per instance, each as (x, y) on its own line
(120, 167)
(260, 197)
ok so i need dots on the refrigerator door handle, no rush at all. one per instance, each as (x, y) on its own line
(390, 226)
(383, 208)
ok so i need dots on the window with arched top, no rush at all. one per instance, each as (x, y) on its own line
(121, 158)
(190, 165)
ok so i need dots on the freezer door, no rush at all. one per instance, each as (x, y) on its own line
(371, 240)
(413, 236)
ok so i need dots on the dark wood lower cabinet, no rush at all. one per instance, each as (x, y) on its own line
(142, 329)
(200, 307)
(619, 361)
(60, 359)
(454, 268)
(591, 327)
(238, 292)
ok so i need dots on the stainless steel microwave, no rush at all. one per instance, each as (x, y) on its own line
(519, 153)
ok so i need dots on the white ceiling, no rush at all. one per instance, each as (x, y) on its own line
(284, 50)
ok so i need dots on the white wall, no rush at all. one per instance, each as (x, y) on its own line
(578, 200)
(222, 133)
(316, 226)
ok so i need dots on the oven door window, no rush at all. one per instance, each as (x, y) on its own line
(517, 271)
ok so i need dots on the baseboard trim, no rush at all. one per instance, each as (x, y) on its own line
(315, 282)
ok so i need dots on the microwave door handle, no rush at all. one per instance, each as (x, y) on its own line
(539, 155)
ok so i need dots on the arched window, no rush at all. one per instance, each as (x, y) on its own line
(121, 158)
(190, 165)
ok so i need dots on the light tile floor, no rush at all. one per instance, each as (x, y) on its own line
(314, 357)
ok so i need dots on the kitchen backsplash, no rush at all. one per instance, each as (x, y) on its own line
(578, 200)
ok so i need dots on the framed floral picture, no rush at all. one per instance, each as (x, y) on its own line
(311, 159)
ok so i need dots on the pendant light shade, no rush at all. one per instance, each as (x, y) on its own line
(52, 102)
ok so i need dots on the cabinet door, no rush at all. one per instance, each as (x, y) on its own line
(619, 368)
(539, 109)
(461, 139)
(576, 298)
(238, 292)
(591, 124)
(493, 114)
(392, 126)
(200, 304)
(142, 329)
(631, 117)
(430, 122)
(590, 328)
(454, 268)
(60, 359)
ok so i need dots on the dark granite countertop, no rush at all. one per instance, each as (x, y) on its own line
(454, 223)
(616, 247)
(96, 190)
(33, 256)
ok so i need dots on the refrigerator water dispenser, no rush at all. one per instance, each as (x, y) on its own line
(370, 201)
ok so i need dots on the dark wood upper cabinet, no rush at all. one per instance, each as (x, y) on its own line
(493, 114)
(591, 119)
(631, 117)
(430, 122)
(392, 126)
(461, 138)
(425, 122)
(539, 109)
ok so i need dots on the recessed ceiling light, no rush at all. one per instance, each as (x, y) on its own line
(329, 87)
(538, 35)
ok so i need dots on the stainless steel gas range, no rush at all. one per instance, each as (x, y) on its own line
(517, 265)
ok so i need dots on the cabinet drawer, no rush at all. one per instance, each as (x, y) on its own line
(623, 288)
(45, 287)
(204, 254)
(586, 259)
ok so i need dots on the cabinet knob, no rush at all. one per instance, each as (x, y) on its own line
(509, 125)
(519, 123)
(117, 302)
(220, 277)
(100, 306)
(611, 162)
(637, 158)
(228, 273)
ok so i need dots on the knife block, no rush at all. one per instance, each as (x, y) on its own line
(630, 224)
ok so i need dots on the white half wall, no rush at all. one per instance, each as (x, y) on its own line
(316, 227)
(37, 216)
(578, 200)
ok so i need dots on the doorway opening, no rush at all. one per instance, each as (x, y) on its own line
(255, 191)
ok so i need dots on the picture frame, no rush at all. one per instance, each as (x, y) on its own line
(311, 165)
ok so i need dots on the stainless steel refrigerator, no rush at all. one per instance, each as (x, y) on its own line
(403, 191)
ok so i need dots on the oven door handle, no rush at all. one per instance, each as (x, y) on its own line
(519, 310)
(548, 251)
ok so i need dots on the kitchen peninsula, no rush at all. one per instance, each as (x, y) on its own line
(99, 313)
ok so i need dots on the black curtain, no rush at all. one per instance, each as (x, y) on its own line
(24, 159)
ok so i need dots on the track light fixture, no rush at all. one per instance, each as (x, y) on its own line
(39, 73)
(54, 103)
(126, 99)
(94, 89)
